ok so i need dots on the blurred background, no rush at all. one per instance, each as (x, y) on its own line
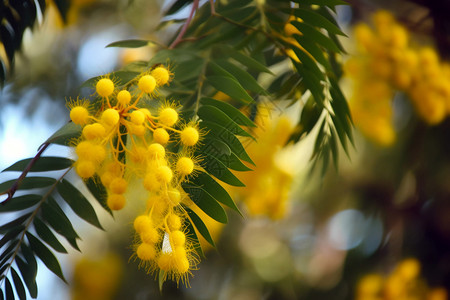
(378, 228)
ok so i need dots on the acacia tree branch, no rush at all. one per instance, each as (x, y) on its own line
(185, 26)
(31, 219)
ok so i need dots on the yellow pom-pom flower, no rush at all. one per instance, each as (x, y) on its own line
(150, 236)
(147, 84)
(85, 169)
(181, 263)
(185, 165)
(151, 183)
(165, 261)
(94, 131)
(137, 117)
(164, 174)
(189, 136)
(156, 151)
(161, 75)
(161, 136)
(87, 150)
(146, 112)
(142, 223)
(178, 238)
(168, 116)
(104, 87)
(110, 117)
(124, 97)
(79, 115)
(106, 178)
(118, 185)
(146, 251)
(116, 201)
(174, 222)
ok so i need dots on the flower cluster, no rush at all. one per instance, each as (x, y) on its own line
(386, 62)
(268, 185)
(131, 136)
(404, 282)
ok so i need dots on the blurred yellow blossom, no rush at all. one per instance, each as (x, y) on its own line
(404, 282)
(97, 279)
(385, 62)
(268, 185)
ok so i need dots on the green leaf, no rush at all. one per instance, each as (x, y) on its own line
(319, 139)
(311, 78)
(20, 289)
(315, 35)
(14, 223)
(8, 289)
(222, 152)
(234, 163)
(28, 275)
(193, 237)
(28, 183)
(206, 202)
(11, 234)
(310, 65)
(20, 203)
(235, 114)
(211, 186)
(247, 61)
(45, 255)
(79, 204)
(7, 253)
(43, 164)
(314, 50)
(98, 191)
(329, 3)
(57, 219)
(188, 69)
(216, 168)
(315, 19)
(130, 44)
(241, 13)
(333, 148)
(47, 235)
(201, 227)
(220, 132)
(65, 134)
(244, 78)
(176, 55)
(214, 147)
(161, 275)
(213, 114)
(230, 87)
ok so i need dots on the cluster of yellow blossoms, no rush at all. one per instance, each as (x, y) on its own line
(386, 62)
(127, 138)
(268, 185)
(404, 282)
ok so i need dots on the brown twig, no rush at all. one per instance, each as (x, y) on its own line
(185, 26)
(213, 9)
(12, 190)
